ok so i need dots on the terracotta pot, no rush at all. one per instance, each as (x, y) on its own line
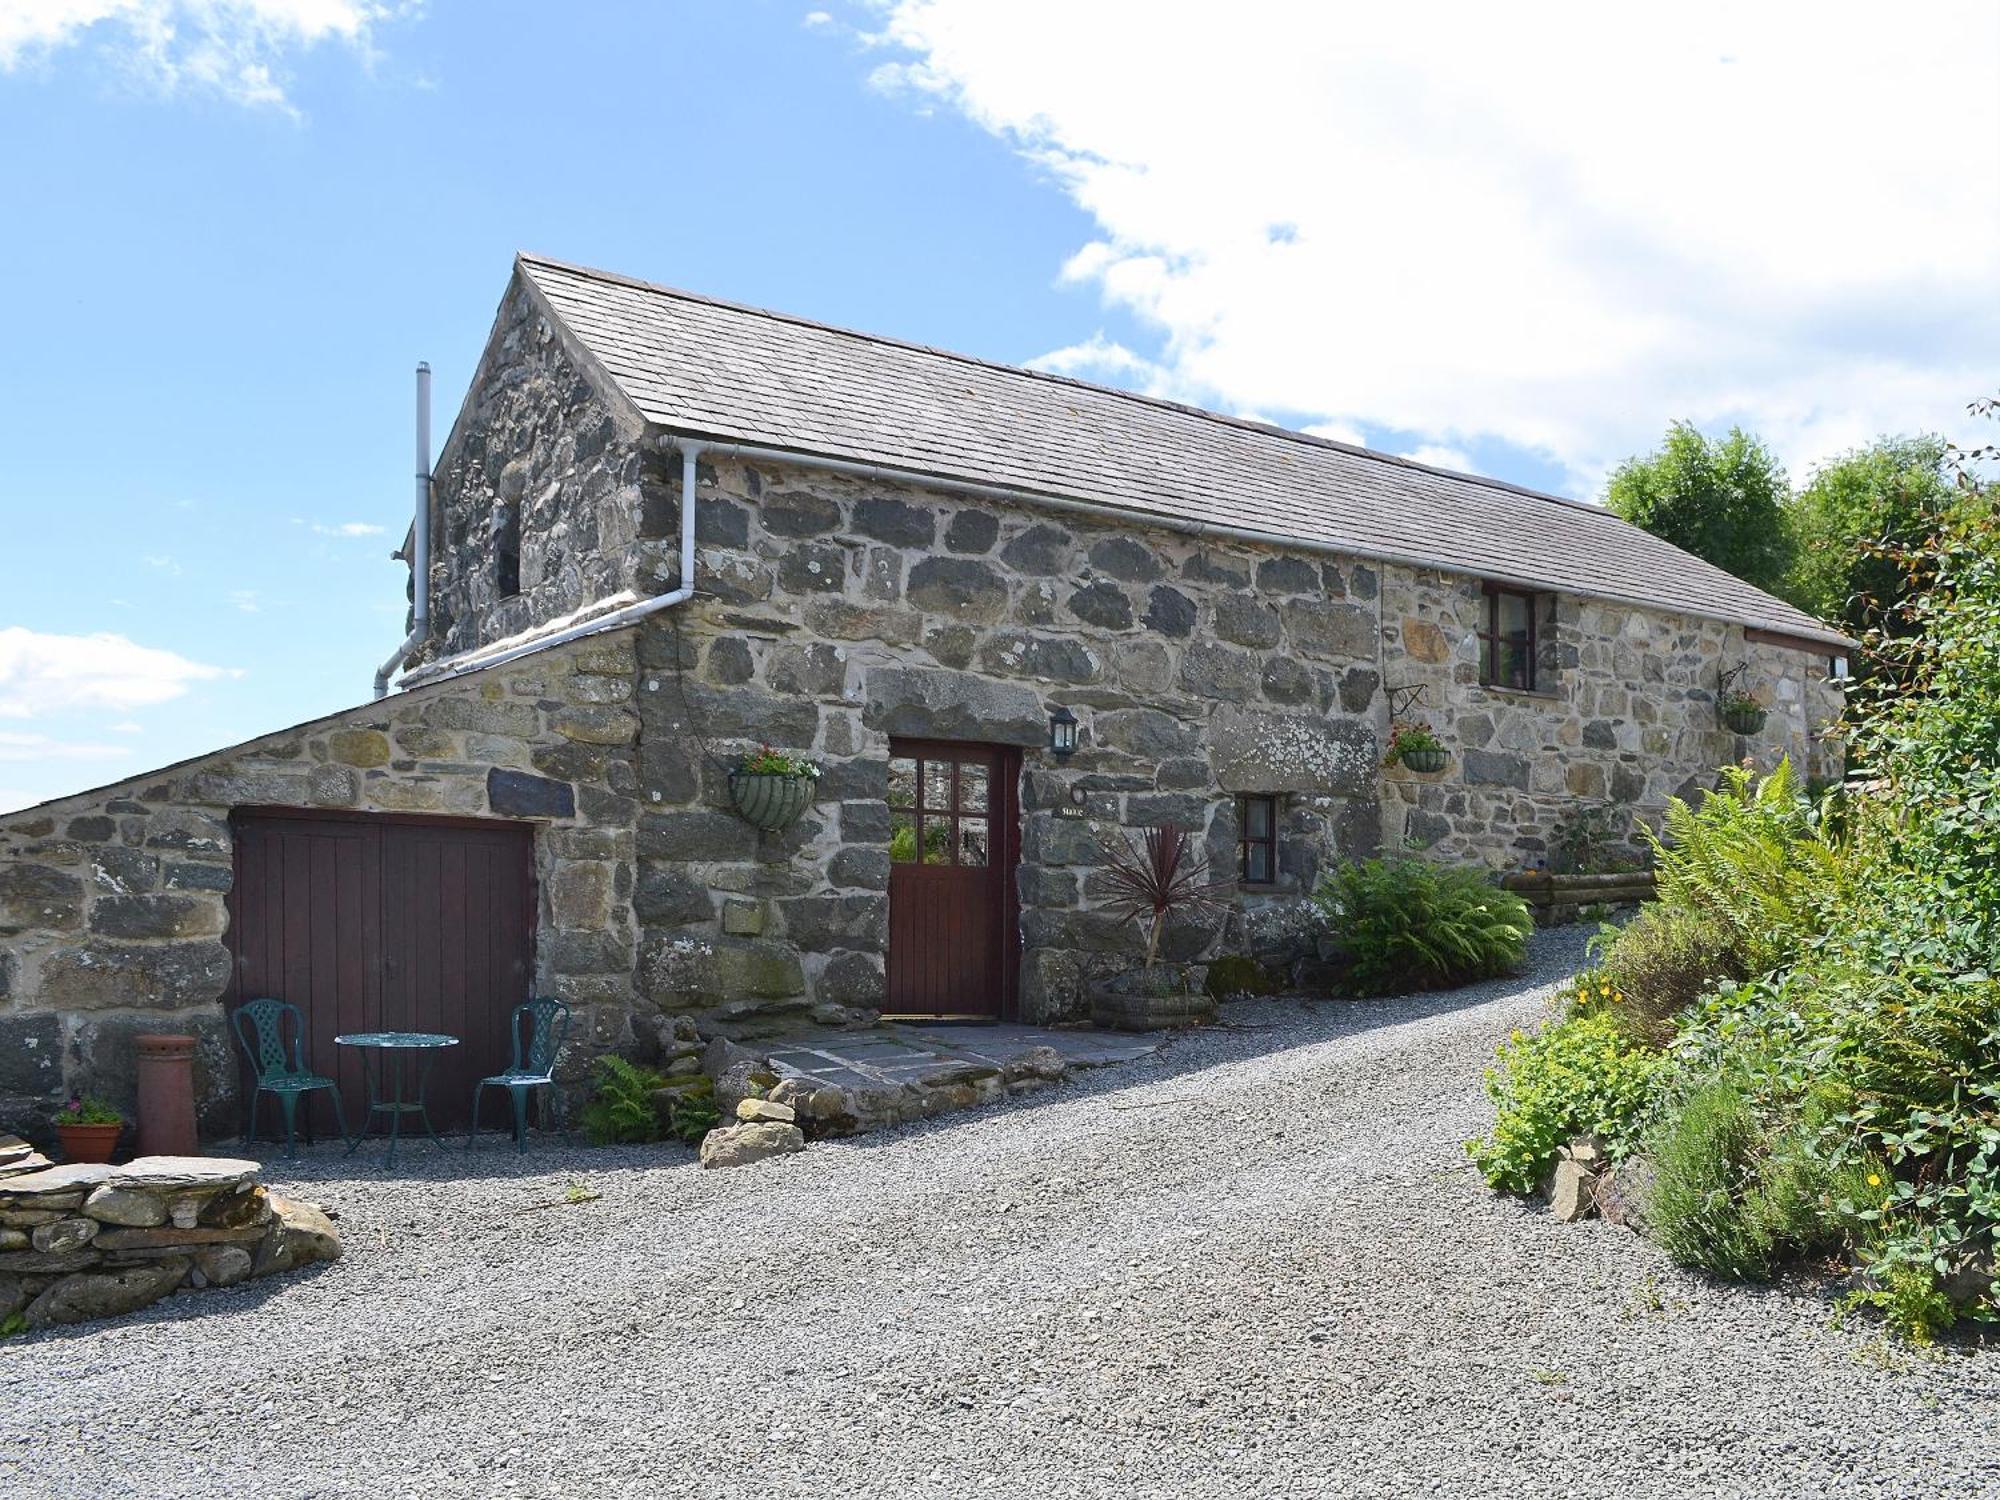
(166, 1096)
(89, 1142)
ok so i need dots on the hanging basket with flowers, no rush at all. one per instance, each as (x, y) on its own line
(1417, 747)
(1742, 714)
(771, 790)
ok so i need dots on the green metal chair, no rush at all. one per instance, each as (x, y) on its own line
(260, 1026)
(539, 1028)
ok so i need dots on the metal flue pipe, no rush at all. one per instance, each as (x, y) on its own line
(420, 540)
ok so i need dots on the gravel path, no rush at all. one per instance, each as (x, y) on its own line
(1257, 1265)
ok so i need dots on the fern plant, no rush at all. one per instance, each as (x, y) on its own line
(1407, 924)
(621, 1109)
(1756, 856)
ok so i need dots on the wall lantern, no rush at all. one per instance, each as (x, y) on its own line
(1062, 733)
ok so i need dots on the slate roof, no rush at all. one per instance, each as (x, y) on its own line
(713, 369)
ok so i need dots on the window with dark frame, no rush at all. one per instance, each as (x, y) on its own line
(1507, 643)
(1257, 840)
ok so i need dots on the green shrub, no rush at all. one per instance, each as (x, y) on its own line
(1737, 1196)
(1239, 974)
(1662, 962)
(1406, 924)
(1579, 1076)
(1911, 1303)
(621, 1110)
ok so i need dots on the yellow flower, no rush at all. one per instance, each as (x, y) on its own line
(1874, 1179)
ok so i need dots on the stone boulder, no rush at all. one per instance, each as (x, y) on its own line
(84, 1295)
(1571, 1194)
(738, 1145)
(300, 1234)
(751, 1110)
(1623, 1193)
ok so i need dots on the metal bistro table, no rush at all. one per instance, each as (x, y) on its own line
(391, 1049)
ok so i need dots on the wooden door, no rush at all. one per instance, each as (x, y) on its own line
(954, 843)
(373, 923)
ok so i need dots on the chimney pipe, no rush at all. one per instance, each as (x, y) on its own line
(420, 539)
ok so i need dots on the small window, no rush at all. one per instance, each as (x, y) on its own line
(1507, 644)
(1257, 840)
(507, 551)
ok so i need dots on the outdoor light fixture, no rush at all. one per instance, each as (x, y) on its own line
(1062, 733)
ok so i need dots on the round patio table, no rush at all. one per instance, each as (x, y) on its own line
(392, 1049)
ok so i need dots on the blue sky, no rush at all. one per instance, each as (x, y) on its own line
(230, 240)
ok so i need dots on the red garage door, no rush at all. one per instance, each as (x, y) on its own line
(376, 923)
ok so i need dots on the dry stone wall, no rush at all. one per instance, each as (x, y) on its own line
(78, 1243)
(113, 903)
(833, 615)
(538, 443)
(1625, 715)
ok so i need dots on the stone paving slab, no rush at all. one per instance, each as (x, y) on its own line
(914, 1058)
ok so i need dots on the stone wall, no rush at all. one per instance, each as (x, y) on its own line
(112, 902)
(537, 438)
(1625, 713)
(834, 614)
(79, 1243)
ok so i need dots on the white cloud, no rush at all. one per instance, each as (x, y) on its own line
(234, 48)
(1559, 228)
(43, 673)
(1439, 456)
(245, 600)
(347, 528)
(39, 748)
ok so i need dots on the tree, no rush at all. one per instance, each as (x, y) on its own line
(1852, 522)
(1723, 499)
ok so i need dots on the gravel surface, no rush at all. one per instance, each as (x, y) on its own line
(1256, 1265)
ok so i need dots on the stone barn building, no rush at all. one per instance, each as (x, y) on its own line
(665, 530)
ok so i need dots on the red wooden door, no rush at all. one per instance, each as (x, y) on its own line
(954, 836)
(386, 924)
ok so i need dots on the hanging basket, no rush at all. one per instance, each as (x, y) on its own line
(1744, 720)
(1427, 761)
(772, 803)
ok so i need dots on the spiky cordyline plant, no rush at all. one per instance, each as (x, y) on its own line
(1159, 875)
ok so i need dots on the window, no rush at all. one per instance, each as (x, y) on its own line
(1507, 644)
(939, 811)
(1257, 840)
(507, 551)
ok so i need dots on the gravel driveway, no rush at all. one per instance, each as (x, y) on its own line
(1256, 1265)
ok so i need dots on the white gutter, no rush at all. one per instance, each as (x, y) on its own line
(420, 540)
(474, 660)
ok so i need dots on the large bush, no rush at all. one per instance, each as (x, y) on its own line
(1406, 924)
(1582, 1075)
(1869, 1058)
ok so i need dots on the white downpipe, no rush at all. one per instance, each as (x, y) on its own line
(473, 661)
(420, 540)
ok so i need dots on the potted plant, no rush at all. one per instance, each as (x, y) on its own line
(88, 1129)
(1159, 877)
(1416, 746)
(771, 789)
(1742, 713)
